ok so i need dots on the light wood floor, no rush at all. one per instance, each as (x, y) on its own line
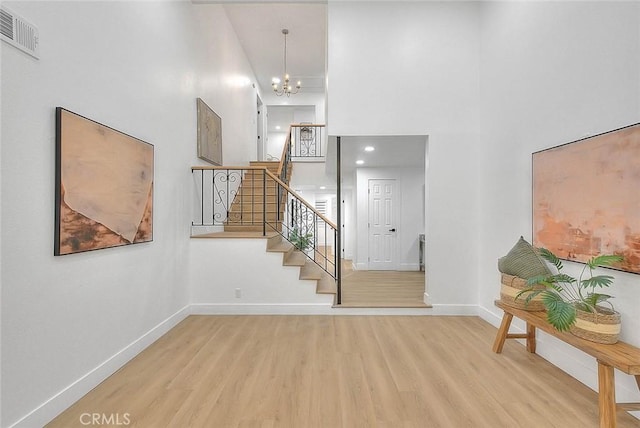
(339, 371)
(382, 289)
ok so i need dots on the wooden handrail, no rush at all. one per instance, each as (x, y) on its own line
(290, 190)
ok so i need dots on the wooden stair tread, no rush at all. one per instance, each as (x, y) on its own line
(257, 209)
(280, 247)
(310, 271)
(265, 163)
(326, 285)
(238, 227)
(295, 258)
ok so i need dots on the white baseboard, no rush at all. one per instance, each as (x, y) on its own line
(409, 267)
(260, 309)
(65, 398)
(493, 318)
(323, 309)
(464, 310)
(401, 266)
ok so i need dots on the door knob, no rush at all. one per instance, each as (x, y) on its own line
(392, 230)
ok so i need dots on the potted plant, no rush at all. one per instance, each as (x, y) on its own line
(301, 240)
(574, 304)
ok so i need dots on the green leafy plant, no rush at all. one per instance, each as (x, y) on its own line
(563, 294)
(301, 240)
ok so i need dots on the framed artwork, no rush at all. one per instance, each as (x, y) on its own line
(586, 200)
(209, 134)
(104, 186)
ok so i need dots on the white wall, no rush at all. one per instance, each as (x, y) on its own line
(311, 175)
(220, 266)
(552, 72)
(275, 144)
(533, 74)
(541, 74)
(409, 183)
(316, 99)
(78, 317)
(412, 68)
(275, 140)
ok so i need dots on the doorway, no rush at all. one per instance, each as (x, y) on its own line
(382, 181)
(383, 219)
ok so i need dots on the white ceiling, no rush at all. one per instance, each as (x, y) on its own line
(391, 151)
(259, 29)
(258, 25)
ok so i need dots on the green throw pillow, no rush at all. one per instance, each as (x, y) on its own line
(523, 261)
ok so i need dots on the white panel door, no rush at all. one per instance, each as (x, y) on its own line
(382, 225)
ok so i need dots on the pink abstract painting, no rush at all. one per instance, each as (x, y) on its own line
(586, 198)
(104, 186)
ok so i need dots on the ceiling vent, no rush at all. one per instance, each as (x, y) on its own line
(18, 32)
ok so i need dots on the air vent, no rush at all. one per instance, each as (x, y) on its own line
(18, 32)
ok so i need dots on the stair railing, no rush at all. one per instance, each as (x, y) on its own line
(303, 226)
(224, 199)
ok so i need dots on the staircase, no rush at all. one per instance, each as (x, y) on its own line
(246, 215)
(249, 202)
(308, 269)
(246, 211)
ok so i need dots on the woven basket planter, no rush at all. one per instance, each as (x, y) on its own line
(601, 327)
(511, 286)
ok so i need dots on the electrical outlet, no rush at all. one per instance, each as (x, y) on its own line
(238, 293)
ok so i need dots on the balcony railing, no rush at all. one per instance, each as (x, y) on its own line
(307, 141)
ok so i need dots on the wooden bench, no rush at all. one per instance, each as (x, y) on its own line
(621, 356)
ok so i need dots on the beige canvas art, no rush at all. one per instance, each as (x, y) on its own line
(586, 200)
(104, 187)
(209, 134)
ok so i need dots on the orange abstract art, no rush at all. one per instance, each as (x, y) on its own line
(104, 186)
(586, 198)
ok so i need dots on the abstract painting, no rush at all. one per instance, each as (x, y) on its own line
(104, 186)
(586, 199)
(209, 134)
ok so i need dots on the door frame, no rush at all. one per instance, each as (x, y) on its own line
(397, 212)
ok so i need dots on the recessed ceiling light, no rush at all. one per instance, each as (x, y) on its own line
(359, 162)
(323, 187)
(369, 149)
(278, 127)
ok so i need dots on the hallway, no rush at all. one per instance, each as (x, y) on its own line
(382, 289)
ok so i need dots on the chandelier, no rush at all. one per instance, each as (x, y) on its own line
(286, 88)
